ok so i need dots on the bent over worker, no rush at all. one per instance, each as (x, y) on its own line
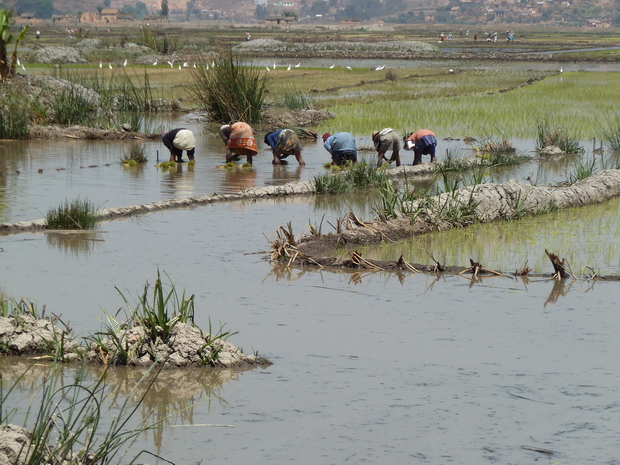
(422, 142)
(239, 140)
(341, 146)
(385, 140)
(178, 140)
(284, 142)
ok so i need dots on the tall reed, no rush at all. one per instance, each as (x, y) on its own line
(14, 115)
(610, 133)
(555, 135)
(230, 91)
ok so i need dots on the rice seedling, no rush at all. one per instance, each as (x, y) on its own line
(230, 91)
(360, 175)
(77, 214)
(489, 145)
(134, 155)
(555, 135)
(210, 356)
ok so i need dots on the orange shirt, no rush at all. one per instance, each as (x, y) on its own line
(421, 133)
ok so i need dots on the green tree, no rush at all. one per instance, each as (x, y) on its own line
(260, 12)
(290, 13)
(165, 11)
(6, 38)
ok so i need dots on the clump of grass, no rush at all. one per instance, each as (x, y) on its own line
(548, 135)
(582, 171)
(71, 107)
(490, 145)
(77, 214)
(134, 155)
(390, 75)
(14, 115)
(360, 175)
(610, 133)
(294, 99)
(230, 91)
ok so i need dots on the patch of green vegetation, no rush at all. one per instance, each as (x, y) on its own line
(134, 155)
(77, 214)
(348, 178)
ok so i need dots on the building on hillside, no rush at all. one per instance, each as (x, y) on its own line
(63, 19)
(351, 21)
(90, 17)
(279, 19)
(109, 15)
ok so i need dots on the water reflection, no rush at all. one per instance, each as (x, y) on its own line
(239, 179)
(168, 397)
(74, 243)
(284, 173)
(178, 180)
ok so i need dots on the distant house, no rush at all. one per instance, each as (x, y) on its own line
(109, 15)
(27, 16)
(90, 17)
(279, 19)
(351, 21)
(63, 19)
(455, 10)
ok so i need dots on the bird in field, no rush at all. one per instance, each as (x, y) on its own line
(155, 63)
(180, 67)
(298, 65)
(349, 68)
(125, 63)
(332, 66)
(213, 64)
(101, 64)
(207, 66)
(267, 68)
(451, 70)
(171, 63)
(194, 64)
(18, 62)
(289, 68)
(561, 70)
(110, 65)
(379, 68)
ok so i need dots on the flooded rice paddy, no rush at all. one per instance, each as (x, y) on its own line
(368, 367)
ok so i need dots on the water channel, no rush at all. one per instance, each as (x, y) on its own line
(368, 367)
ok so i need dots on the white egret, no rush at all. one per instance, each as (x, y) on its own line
(101, 64)
(267, 68)
(110, 65)
(349, 68)
(125, 63)
(332, 66)
(289, 68)
(155, 64)
(298, 65)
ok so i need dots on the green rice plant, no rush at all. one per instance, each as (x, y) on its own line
(548, 135)
(67, 423)
(135, 155)
(71, 107)
(230, 91)
(395, 202)
(78, 214)
(454, 163)
(359, 175)
(159, 315)
(582, 171)
(14, 115)
(610, 133)
(13, 307)
(294, 99)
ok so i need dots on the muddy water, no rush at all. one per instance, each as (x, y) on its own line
(368, 368)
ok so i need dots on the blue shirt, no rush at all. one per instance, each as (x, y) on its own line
(272, 139)
(340, 142)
